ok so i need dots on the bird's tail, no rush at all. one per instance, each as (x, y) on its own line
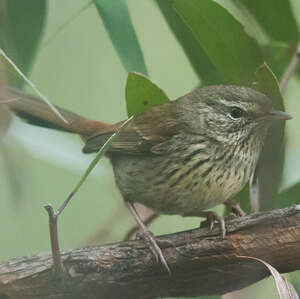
(35, 111)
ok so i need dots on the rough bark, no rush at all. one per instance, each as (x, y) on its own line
(202, 263)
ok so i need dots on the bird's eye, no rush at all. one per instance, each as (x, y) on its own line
(236, 112)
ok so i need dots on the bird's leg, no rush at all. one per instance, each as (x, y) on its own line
(234, 207)
(147, 236)
(211, 217)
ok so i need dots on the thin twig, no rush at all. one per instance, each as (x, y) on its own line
(94, 162)
(64, 204)
(289, 71)
(36, 90)
(53, 216)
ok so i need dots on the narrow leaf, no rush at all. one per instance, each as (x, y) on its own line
(196, 55)
(141, 94)
(21, 27)
(32, 85)
(271, 160)
(235, 55)
(275, 18)
(267, 83)
(277, 57)
(284, 287)
(116, 19)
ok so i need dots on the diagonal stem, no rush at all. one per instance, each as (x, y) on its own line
(289, 71)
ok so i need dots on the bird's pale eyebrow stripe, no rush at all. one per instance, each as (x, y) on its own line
(234, 101)
(224, 102)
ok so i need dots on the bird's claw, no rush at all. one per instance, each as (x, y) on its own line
(211, 218)
(238, 211)
(235, 208)
(151, 242)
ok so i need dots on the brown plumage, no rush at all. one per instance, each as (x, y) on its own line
(179, 158)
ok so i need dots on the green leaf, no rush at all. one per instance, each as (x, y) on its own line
(284, 288)
(142, 94)
(21, 27)
(275, 17)
(271, 161)
(267, 83)
(277, 57)
(235, 55)
(116, 19)
(196, 55)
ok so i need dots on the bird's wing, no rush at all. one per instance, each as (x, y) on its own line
(141, 135)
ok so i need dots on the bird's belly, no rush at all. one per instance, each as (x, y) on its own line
(175, 190)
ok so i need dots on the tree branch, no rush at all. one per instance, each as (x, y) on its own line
(202, 263)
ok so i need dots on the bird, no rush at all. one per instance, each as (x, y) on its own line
(182, 157)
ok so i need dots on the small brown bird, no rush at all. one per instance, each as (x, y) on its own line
(179, 158)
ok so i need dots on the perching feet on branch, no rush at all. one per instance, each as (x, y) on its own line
(211, 218)
(148, 237)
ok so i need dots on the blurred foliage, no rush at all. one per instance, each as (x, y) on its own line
(235, 55)
(196, 55)
(116, 19)
(288, 197)
(21, 27)
(270, 173)
(278, 56)
(207, 41)
(238, 58)
(20, 39)
(269, 12)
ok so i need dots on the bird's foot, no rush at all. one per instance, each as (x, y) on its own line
(211, 219)
(234, 208)
(152, 243)
(148, 237)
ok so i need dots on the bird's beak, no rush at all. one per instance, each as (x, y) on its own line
(280, 115)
